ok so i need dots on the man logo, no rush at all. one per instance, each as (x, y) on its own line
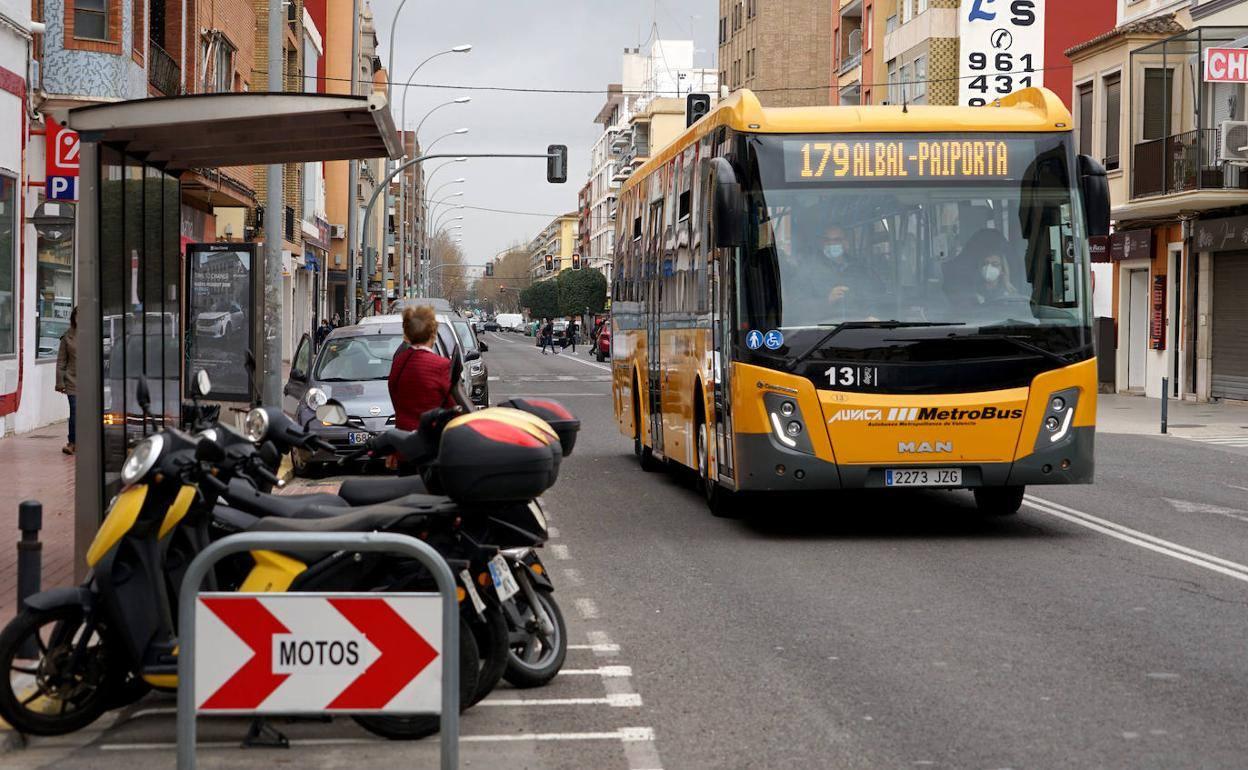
(923, 447)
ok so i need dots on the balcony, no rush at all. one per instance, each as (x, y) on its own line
(1180, 163)
(163, 71)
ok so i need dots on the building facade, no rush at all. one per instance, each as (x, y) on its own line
(1171, 133)
(780, 49)
(558, 240)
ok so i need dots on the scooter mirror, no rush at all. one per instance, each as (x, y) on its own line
(203, 385)
(331, 413)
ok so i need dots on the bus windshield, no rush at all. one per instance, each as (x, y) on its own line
(978, 232)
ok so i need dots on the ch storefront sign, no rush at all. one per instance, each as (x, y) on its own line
(1130, 244)
(1157, 315)
(1226, 65)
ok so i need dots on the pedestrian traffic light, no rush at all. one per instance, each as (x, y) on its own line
(550, 262)
(696, 105)
(576, 261)
(557, 163)
(489, 269)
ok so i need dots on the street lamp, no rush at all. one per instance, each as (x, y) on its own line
(456, 132)
(402, 235)
(433, 196)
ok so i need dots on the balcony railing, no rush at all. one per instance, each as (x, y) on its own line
(1182, 162)
(163, 71)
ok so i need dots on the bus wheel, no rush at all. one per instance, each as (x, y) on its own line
(999, 501)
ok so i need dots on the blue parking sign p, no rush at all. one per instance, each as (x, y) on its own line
(61, 188)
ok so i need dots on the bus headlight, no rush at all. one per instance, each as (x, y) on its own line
(1059, 415)
(788, 428)
(788, 408)
(794, 428)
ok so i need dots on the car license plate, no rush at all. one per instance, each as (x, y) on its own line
(504, 584)
(358, 438)
(923, 477)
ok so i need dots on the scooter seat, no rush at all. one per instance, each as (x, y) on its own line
(368, 519)
(373, 491)
(246, 498)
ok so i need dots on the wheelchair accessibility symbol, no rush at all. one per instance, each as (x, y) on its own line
(773, 339)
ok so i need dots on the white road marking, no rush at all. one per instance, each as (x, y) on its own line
(552, 533)
(1238, 440)
(604, 671)
(618, 700)
(573, 577)
(601, 649)
(1142, 539)
(1187, 506)
(560, 551)
(625, 734)
(588, 609)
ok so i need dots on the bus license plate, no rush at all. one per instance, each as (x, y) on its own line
(923, 477)
(358, 438)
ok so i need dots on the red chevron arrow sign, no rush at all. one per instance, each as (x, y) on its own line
(317, 653)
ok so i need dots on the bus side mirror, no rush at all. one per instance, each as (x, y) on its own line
(1094, 188)
(729, 205)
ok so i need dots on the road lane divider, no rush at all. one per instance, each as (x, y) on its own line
(1142, 539)
(615, 700)
(603, 671)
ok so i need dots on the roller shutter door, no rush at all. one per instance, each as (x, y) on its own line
(1230, 326)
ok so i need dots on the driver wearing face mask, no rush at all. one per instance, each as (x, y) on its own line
(991, 280)
(853, 288)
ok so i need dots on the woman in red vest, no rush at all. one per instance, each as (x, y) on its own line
(420, 379)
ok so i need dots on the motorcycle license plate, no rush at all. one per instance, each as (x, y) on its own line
(357, 438)
(923, 477)
(504, 584)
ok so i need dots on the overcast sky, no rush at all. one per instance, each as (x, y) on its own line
(522, 43)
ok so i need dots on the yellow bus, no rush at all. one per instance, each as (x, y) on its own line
(846, 297)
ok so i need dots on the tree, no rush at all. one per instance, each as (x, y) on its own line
(581, 289)
(511, 272)
(542, 299)
(448, 280)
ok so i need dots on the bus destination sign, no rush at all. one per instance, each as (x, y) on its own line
(897, 159)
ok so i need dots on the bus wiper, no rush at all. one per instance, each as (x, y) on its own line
(1019, 342)
(869, 325)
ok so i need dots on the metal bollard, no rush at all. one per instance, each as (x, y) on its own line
(1165, 402)
(29, 557)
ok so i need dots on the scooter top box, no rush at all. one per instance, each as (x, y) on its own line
(497, 455)
(557, 415)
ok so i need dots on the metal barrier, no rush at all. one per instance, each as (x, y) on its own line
(317, 541)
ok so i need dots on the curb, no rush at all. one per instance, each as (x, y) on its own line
(11, 740)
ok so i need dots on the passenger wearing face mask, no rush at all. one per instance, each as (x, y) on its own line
(986, 251)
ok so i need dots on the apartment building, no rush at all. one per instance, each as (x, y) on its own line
(779, 49)
(1172, 134)
(557, 240)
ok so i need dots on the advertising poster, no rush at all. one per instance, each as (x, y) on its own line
(220, 297)
(1001, 48)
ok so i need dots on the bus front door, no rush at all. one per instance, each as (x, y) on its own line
(654, 298)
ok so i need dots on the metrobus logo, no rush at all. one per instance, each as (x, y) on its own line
(925, 414)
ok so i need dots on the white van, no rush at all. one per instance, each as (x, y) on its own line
(512, 322)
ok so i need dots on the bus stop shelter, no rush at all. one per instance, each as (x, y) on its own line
(131, 274)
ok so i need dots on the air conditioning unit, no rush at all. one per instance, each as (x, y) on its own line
(1233, 141)
(338, 231)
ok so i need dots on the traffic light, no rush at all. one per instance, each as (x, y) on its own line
(489, 269)
(557, 163)
(550, 262)
(576, 261)
(696, 105)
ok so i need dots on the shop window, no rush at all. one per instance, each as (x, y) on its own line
(54, 275)
(8, 264)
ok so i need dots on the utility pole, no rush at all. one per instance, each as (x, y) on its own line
(353, 175)
(273, 209)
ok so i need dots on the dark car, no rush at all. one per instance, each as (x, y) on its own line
(352, 367)
(491, 325)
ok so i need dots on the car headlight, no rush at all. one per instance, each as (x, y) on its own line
(141, 459)
(315, 398)
(475, 368)
(257, 424)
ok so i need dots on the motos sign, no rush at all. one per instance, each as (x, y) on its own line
(310, 653)
(1226, 65)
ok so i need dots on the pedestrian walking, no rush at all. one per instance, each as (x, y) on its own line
(548, 336)
(572, 332)
(67, 378)
(322, 332)
(337, 321)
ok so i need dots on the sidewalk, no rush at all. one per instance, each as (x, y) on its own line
(1186, 419)
(32, 467)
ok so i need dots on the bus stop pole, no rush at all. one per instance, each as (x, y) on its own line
(274, 207)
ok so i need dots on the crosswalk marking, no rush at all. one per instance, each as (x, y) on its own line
(1237, 440)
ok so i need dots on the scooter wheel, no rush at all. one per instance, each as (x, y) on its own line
(535, 660)
(412, 728)
(40, 695)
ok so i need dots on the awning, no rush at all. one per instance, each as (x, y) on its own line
(243, 129)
